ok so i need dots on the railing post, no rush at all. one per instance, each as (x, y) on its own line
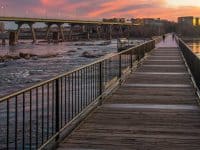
(131, 59)
(120, 66)
(57, 108)
(100, 83)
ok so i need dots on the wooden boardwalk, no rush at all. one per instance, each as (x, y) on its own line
(155, 109)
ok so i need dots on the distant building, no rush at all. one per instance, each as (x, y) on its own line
(189, 20)
(121, 20)
(189, 26)
(152, 26)
(149, 21)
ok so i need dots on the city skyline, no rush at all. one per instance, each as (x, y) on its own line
(97, 9)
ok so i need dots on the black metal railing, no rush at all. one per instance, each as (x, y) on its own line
(192, 60)
(31, 118)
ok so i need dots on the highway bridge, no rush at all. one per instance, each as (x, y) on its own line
(86, 25)
(20, 19)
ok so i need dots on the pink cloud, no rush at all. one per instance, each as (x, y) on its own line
(97, 9)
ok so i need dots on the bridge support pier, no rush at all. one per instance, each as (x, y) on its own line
(48, 31)
(13, 38)
(61, 32)
(71, 32)
(18, 31)
(98, 32)
(30, 24)
(56, 36)
(120, 31)
(33, 32)
(109, 31)
(129, 32)
(88, 32)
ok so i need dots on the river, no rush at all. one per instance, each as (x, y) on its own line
(22, 73)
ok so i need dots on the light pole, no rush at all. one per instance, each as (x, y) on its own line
(3, 9)
(45, 13)
(27, 12)
(58, 13)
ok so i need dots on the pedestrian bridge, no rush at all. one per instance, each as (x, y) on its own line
(155, 108)
(143, 98)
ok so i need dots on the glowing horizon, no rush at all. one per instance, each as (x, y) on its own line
(98, 9)
(179, 3)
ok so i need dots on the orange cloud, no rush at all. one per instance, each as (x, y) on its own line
(52, 2)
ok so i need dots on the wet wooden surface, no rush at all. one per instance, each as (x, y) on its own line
(155, 109)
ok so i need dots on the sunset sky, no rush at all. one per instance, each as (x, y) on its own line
(97, 9)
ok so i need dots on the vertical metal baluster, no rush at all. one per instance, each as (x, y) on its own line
(30, 121)
(100, 82)
(105, 71)
(91, 76)
(84, 89)
(131, 63)
(37, 118)
(94, 76)
(16, 121)
(61, 101)
(90, 85)
(96, 80)
(47, 110)
(8, 123)
(57, 107)
(93, 82)
(72, 95)
(42, 113)
(23, 132)
(75, 95)
(120, 66)
(78, 91)
(81, 89)
(86, 86)
(65, 100)
(53, 99)
(69, 99)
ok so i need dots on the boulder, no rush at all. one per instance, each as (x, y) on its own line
(88, 55)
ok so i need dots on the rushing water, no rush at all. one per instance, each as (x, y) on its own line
(21, 73)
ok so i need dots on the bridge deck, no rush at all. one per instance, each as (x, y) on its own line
(155, 109)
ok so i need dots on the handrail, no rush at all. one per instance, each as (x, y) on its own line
(40, 112)
(52, 20)
(192, 60)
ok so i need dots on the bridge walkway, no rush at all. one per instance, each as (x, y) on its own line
(156, 108)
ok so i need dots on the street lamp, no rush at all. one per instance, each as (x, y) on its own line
(3, 9)
(27, 13)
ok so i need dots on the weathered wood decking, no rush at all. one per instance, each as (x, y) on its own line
(156, 109)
